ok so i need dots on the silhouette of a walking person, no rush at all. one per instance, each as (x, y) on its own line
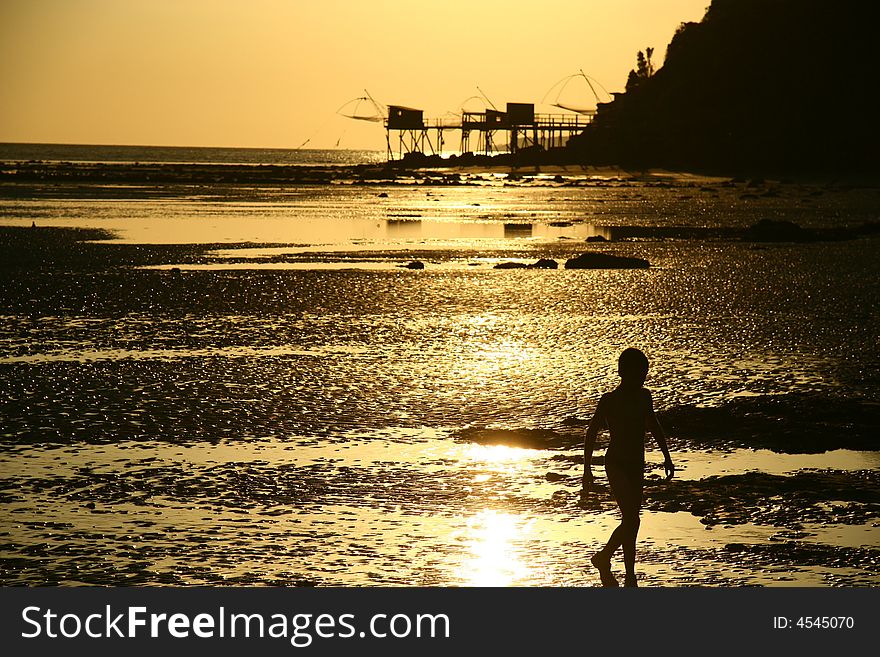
(627, 412)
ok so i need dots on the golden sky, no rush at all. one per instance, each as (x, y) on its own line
(272, 73)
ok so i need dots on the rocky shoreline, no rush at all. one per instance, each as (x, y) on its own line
(431, 171)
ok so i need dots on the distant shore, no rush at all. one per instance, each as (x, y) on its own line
(20, 178)
(432, 171)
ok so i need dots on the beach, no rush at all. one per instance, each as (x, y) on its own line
(245, 380)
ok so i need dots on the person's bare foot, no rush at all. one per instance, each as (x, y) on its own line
(630, 581)
(603, 565)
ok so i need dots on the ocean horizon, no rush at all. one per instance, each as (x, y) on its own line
(129, 153)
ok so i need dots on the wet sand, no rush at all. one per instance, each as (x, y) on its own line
(341, 426)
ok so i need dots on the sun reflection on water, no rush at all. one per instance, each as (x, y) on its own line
(494, 556)
(499, 454)
(495, 541)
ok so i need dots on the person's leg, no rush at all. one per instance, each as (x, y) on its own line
(626, 487)
(602, 562)
(618, 481)
(630, 532)
(630, 502)
(615, 541)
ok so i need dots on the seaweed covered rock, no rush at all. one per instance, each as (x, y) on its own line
(544, 263)
(794, 423)
(771, 230)
(605, 261)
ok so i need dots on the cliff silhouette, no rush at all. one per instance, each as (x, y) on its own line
(756, 86)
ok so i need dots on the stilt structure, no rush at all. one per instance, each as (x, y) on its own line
(407, 131)
(487, 132)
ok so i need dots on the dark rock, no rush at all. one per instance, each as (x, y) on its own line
(525, 438)
(511, 265)
(772, 230)
(868, 228)
(383, 195)
(597, 238)
(605, 261)
(794, 423)
(415, 264)
(544, 263)
(554, 476)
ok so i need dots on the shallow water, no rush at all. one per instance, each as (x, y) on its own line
(306, 419)
(467, 207)
(427, 511)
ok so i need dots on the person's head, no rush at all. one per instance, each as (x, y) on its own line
(632, 366)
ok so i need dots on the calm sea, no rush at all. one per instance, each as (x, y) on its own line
(185, 154)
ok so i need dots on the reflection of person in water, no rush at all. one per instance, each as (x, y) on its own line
(627, 411)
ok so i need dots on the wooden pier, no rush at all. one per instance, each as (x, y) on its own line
(487, 132)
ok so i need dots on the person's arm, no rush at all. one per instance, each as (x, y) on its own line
(660, 436)
(596, 423)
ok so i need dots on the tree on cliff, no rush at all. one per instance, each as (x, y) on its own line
(643, 70)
